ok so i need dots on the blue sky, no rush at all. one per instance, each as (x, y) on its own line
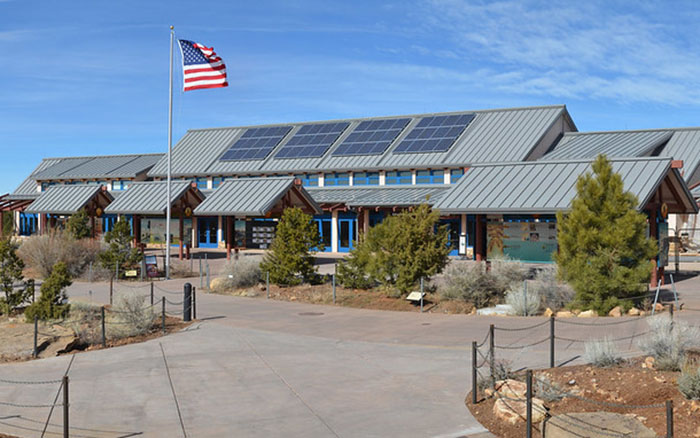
(91, 77)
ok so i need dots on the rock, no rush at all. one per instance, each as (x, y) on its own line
(217, 283)
(694, 406)
(488, 392)
(642, 313)
(615, 312)
(262, 287)
(499, 310)
(572, 382)
(293, 299)
(588, 314)
(697, 433)
(564, 314)
(511, 388)
(633, 312)
(589, 425)
(548, 312)
(513, 411)
(660, 379)
(649, 362)
(658, 307)
(473, 312)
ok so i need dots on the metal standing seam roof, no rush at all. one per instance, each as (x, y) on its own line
(248, 197)
(147, 197)
(494, 135)
(64, 199)
(359, 196)
(542, 186)
(28, 188)
(99, 167)
(579, 145)
(684, 145)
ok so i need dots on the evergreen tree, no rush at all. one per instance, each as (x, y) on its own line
(78, 225)
(120, 251)
(11, 267)
(52, 304)
(290, 260)
(8, 225)
(398, 252)
(604, 252)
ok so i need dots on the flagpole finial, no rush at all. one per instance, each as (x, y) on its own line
(172, 27)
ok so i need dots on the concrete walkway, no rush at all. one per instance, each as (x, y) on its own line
(254, 367)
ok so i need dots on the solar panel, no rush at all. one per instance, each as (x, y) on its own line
(434, 134)
(312, 141)
(371, 137)
(256, 143)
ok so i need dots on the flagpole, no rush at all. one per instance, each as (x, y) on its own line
(170, 150)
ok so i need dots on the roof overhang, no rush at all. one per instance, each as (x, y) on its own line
(69, 199)
(149, 198)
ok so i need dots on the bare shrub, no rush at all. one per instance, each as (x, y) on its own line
(42, 252)
(668, 341)
(131, 316)
(85, 322)
(181, 269)
(689, 382)
(602, 352)
(244, 272)
(547, 390)
(553, 294)
(524, 301)
(473, 283)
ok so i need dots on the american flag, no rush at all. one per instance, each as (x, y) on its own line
(201, 67)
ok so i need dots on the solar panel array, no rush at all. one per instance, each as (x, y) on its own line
(371, 137)
(312, 141)
(434, 134)
(256, 143)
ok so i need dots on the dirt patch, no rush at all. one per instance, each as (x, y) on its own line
(2, 435)
(627, 383)
(17, 339)
(358, 298)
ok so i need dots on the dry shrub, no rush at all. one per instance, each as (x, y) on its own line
(602, 352)
(42, 252)
(473, 283)
(181, 269)
(131, 316)
(668, 341)
(553, 294)
(244, 272)
(689, 382)
(85, 322)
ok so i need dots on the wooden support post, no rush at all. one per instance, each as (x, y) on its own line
(480, 244)
(229, 237)
(182, 237)
(654, 233)
(92, 225)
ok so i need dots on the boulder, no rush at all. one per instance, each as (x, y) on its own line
(548, 312)
(594, 425)
(634, 312)
(217, 283)
(513, 411)
(616, 312)
(658, 307)
(588, 314)
(649, 363)
(564, 314)
(511, 388)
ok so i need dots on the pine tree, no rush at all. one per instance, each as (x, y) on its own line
(119, 251)
(78, 225)
(52, 304)
(290, 260)
(11, 267)
(604, 252)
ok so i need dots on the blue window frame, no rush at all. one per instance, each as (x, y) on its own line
(120, 185)
(336, 179)
(402, 177)
(201, 183)
(430, 177)
(27, 224)
(455, 175)
(365, 179)
(324, 230)
(216, 181)
(308, 179)
(46, 185)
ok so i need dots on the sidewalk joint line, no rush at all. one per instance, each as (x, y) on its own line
(172, 388)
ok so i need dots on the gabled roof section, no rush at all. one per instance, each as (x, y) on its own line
(99, 167)
(256, 197)
(28, 188)
(69, 199)
(550, 186)
(493, 135)
(151, 197)
(614, 144)
(685, 145)
(379, 196)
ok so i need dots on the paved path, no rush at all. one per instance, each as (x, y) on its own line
(254, 367)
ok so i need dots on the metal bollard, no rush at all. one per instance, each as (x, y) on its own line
(525, 297)
(492, 356)
(187, 303)
(151, 293)
(421, 295)
(669, 418)
(551, 341)
(333, 288)
(36, 336)
(104, 334)
(474, 375)
(528, 395)
(194, 302)
(111, 289)
(65, 407)
(267, 284)
(163, 314)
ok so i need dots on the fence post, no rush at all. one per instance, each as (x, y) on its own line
(675, 292)
(267, 283)
(334, 288)
(187, 303)
(143, 269)
(551, 341)
(669, 418)
(104, 334)
(36, 336)
(528, 395)
(33, 286)
(421, 295)
(525, 297)
(492, 360)
(163, 314)
(194, 302)
(65, 406)
(90, 273)
(208, 278)
(111, 288)
(151, 293)
(474, 375)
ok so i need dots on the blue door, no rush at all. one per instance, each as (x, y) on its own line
(347, 232)
(206, 232)
(324, 230)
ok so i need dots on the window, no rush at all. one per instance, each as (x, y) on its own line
(216, 181)
(120, 185)
(455, 175)
(403, 177)
(46, 185)
(201, 183)
(430, 177)
(336, 179)
(27, 223)
(308, 179)
(365, 178)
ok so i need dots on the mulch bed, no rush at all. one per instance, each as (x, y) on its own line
(627, 383)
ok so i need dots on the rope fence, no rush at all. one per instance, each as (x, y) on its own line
(62, 389)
